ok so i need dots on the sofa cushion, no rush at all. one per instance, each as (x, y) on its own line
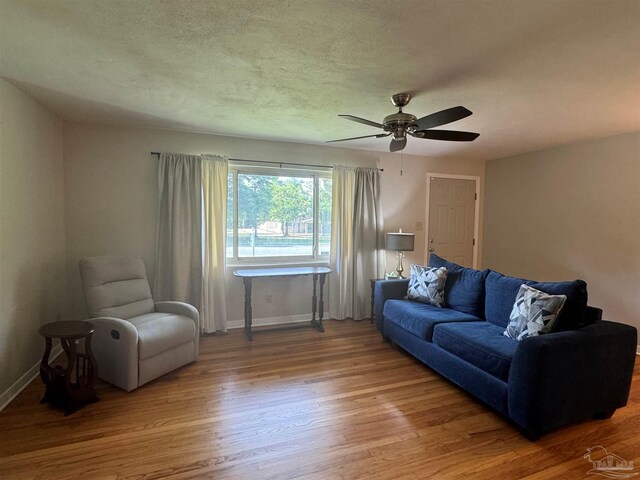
(464, 290)
(534, 313)
(420, 318)
(481, 344)
(159, 332)
(501, 291)
(426, 285)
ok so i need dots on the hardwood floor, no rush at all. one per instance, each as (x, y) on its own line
(296, 404)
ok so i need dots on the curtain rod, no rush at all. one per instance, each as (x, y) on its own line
(275, 163)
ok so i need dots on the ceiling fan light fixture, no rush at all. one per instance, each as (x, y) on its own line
(399, 134)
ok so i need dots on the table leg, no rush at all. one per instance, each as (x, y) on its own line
(247, 307)
(69, 347)
(45, 370)
(373, 290)
(321, 306)
(44, 364)
(92, 366)
(314, 300)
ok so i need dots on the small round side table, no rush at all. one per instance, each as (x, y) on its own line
(69, 387)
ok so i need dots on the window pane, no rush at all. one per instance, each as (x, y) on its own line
(229, 247)
(275, 216)
(324, 216)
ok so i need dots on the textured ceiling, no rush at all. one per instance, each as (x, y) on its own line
(535, 73)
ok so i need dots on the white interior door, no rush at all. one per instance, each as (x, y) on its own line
(451, 222)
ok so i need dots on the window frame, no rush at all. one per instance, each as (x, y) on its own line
(315, 173)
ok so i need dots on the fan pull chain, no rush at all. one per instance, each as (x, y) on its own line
(401, 157)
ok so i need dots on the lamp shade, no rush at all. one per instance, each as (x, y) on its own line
(401, 242)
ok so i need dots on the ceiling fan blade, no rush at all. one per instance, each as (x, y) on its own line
(397, 145)
(451, 135)
(362, 120)
(379, 135)
(442, 117)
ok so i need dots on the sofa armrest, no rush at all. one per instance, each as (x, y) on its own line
(592, 315)
(115, 346)
(566, 377)
(387, 290)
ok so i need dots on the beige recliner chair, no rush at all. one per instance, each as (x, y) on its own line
(136, 339)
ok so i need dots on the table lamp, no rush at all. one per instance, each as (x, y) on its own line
(400, 242)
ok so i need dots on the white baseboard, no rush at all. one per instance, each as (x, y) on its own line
(14, 390)
(261, 322)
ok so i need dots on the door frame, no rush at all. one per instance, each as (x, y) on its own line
(476, 220)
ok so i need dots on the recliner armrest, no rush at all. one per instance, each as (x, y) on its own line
(566, 377)
(115, 347)
(387, 290)
(179, 308)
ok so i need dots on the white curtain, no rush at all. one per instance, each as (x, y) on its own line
(179, 234)
(191, 235)
(357, 240)
(213, 315)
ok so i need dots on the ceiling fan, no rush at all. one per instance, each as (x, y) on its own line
(400, 124)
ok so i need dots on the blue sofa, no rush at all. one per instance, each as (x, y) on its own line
(581, 370)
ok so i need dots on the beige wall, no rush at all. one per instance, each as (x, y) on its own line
(110, 185)
(404, 198)
(32, 244)
(570, 212)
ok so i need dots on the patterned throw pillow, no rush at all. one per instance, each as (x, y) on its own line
(426, 284)
(533, 313)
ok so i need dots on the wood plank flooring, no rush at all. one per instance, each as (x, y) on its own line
(296, 404)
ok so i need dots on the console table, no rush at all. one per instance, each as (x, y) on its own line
(318, 273)
(62, 389)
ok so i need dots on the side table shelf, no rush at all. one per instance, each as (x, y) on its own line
(69, 387)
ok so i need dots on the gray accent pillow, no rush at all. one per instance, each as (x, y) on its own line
(426, 284)
(534, 313)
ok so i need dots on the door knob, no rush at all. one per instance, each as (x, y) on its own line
(431, 249)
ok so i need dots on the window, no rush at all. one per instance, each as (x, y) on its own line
(278, 215)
